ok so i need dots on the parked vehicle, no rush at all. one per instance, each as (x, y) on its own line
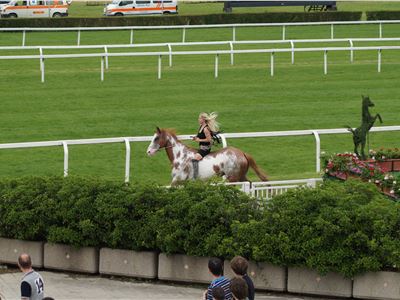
(35, 9)
(141, 7)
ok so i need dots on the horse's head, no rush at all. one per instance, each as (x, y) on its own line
(158, 142)
(367, 102)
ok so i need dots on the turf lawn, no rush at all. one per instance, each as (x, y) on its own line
(74, 104)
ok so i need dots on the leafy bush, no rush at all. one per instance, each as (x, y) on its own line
(346, 227)
(183, 20)
(383, 15)
(196, 218)
(27, 207)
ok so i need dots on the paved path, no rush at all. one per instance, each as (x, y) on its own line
(73, 287)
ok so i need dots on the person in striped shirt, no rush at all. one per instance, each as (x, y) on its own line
(216, 268)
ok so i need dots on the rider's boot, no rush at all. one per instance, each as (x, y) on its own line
(195, 168)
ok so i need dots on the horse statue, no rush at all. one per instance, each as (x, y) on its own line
(367, 121)
(229, 162)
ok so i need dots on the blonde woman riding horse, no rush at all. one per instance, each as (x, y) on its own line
(229, 162)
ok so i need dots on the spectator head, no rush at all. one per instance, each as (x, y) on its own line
(24, 261)
(218, 293)
(48, 298)
(215, 266)
(239, 288)
(239, 265)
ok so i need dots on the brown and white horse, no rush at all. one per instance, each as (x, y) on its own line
(229, 162)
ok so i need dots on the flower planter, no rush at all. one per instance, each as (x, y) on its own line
(11, 249)
(68, 258)
(179, 267)
(129, 263)
(389, 165)
(306, 281)
(377, 285)
(265, 276)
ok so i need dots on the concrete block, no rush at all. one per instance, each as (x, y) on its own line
(265, 276)
(377, 285)
(143, 264)
(68, 258)
(306, 281)
(10, 249)
(179, 267)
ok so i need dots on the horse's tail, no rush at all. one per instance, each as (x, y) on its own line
(260, 173)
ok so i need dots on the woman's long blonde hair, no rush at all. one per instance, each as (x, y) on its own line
(211, 120)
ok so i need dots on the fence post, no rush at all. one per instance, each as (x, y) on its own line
(292, 44)
(283, 32)
(234, 33)
(159, 67)
(184, 35)
(102, 69)
(351, 51)
(78, 42)
(232, 59)
(106, 56)
(223, 139)
(380, 30)
(379, 60)
(272, 64)
(170, 54)
(332, 31)
(216, 66)
(65, 146)
(127, 159)
(131, 38)
(23, 38)
(317, 150)
(326, 62)
(41, 64)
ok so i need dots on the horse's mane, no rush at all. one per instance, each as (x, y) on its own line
(170, 131)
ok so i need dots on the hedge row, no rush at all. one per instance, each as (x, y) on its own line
(342, 227)
(183, 20)
(383, 15)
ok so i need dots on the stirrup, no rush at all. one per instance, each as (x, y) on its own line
(195, 163)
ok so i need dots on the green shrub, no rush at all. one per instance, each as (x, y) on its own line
(383, 15)
(184, 20)
(198, 217)
(27, 207)
(346, 227)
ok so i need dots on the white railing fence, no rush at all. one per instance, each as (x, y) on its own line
(128, 140)
(266, 190)
(184, 28)
(104, 56)
(291, 43)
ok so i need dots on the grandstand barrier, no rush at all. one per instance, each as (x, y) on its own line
(127, 140)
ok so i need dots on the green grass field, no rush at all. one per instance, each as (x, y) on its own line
(74, 104)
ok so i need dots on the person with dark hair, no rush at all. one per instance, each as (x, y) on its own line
(218, 293)
(239, 288)
(32, 286)
(239, 266)
(216, 268)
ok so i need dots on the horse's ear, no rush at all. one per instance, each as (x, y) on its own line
(158, 130)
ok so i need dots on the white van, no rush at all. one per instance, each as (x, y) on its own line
(141, 7)
(35, 9)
